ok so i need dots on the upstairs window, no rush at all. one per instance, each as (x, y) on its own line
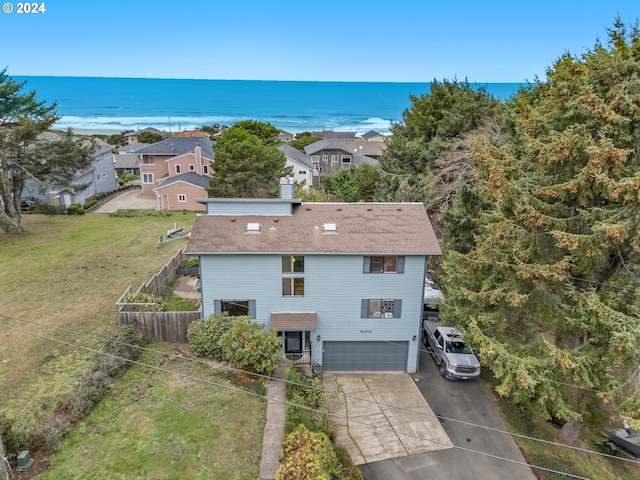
(383, 264)
(293, 275)
(178, 169)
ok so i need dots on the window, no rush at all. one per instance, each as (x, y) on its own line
(292, 264)
(205, 169)
(346, 160)
(325, 158)
(302, 172)
(381, 308)
(236, 308)
(178, 169)
(383, 264)
(147, 178)
(151, 159)
(293, 286)
(292, 278)
(315, 158)
(182, 197)
(192, 168)
(334, 159)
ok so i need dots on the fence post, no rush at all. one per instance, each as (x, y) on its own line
(155, 324)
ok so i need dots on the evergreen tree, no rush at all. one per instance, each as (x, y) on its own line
(24, 154)
(550, 293)
(245, 166)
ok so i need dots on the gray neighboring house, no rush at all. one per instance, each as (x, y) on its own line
(341, 283)
(373, 136)
(328, 156)
(99, 177)
(331, 135)
(303, 170)
(127, 160)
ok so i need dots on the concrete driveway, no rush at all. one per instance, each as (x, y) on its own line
(132, 199)
(498, 455)
(380, 416)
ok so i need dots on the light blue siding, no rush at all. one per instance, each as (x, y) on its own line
(334, 287)
(273, 207)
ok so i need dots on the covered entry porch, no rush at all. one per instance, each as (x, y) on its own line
(295, 330)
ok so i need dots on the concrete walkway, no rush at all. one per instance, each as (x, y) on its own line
(274, 425)
(132, 199)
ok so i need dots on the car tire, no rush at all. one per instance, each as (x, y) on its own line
(443, 370)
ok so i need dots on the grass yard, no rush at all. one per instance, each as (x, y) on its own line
(154, 425)
(68, 272)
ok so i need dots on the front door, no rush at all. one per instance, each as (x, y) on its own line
(292, 342)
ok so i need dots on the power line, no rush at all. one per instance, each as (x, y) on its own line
(239, 390)
(268, 378)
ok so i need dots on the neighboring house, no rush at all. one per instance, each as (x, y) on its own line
(175, 157)
(285, 136)
(373, 136)
(191, 134)
(99, 177)
(328, 156)
(131, 138)
(331, 135)
(341, 283)
(371, 149)
(303, 170)
(127, 160)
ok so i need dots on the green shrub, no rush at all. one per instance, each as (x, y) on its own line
(307, 455)
(147, 298)
(47, 208)
(248, 346)
(90, 203)
(306, 405)
(204, 335)
(349, 470)
(190, 261)
(75, 209)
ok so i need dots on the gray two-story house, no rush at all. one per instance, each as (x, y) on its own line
(342, 283)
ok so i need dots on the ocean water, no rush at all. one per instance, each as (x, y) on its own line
(116, 104)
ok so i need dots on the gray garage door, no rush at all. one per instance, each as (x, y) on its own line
(364, 356)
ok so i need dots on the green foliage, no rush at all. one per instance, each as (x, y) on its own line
(344, 186)
(146, 303)
(306, 405)
(302, 141)
(204, 335)
(149, 137)
(307, 455)
(47, 208)
(90, 203)
(75, 209)
(127, 177)
(213, 130)
(367, 178)
(24, 154)
(248, 346)
(190, 261)
(348, 471)
(314, 195)
(546, 288)
(247, 162)
(117, 139)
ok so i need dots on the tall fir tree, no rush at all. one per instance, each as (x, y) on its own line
(550, 295)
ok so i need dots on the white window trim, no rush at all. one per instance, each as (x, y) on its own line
(148, 176)
(182, 197)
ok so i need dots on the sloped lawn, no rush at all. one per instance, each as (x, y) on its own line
(154, 425)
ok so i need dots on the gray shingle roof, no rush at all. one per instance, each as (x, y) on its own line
(296, 155)
(321, 145)
(179, 146)
(331, 135)
(189, 177)
(361, 228)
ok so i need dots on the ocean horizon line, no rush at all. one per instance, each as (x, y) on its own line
(407, 82)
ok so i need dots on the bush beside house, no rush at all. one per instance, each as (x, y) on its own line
(238, 340)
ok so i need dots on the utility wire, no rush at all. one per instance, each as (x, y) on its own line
(239, 390)
(329, 392)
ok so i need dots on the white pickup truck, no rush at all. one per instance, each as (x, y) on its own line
(455, 360)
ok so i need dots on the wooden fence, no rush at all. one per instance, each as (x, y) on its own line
(152, 325)
(161, 280)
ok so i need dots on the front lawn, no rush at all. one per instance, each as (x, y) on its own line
(155, 425)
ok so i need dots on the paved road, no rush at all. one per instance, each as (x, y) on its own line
(469, 401)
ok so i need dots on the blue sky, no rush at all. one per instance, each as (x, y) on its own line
(394, 41)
